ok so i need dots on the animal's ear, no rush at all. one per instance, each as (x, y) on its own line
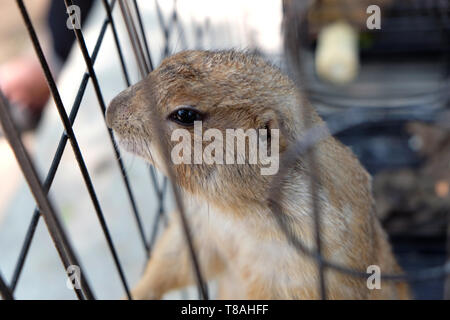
(271, 121)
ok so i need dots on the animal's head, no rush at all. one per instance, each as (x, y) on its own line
(199, 98)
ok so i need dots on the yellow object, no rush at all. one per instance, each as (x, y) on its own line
(337, 53)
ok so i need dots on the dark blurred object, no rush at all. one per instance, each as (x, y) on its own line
(406, 25)
(418, 253)
(397, 80)
(25, 119)
(417, 201)
(411, 26)
(63, 37)
(323, 12)
(22, 80)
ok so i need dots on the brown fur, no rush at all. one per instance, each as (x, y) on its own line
(235, 234)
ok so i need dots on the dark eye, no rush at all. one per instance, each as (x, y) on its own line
(185, 116)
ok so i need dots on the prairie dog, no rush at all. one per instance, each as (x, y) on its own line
(234, 231)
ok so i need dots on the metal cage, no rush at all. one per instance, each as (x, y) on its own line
(45, 210)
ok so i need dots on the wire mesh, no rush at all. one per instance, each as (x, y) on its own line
(136, 31)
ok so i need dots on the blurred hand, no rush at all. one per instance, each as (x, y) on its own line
(23, 82)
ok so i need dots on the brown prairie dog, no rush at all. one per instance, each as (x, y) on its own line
(235, 234)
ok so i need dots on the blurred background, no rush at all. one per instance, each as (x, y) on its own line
(391, 69)
(396, 76)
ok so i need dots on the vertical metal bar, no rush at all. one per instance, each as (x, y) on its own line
(54, 226)
(178, 25)
(134, 38)
(202, 286)
(116, 41)
(164, 28)
(314, 187)
(159, 129)
(159, 214)
(168, 27)
(159, 191)
(5, 292)
(144, 37)
(71, 135)
(88, 61)
(292, 45)
(144, 70)
(143, 67)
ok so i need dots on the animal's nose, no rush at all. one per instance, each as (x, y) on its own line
(110, 111)
(115, 107)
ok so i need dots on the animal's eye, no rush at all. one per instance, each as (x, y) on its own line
(185, 116)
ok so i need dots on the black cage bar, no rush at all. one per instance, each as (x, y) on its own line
(145, 65)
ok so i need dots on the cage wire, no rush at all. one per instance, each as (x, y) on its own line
(353, 115)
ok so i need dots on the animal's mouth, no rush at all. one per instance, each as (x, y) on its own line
(137, 147)
(127, 145)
